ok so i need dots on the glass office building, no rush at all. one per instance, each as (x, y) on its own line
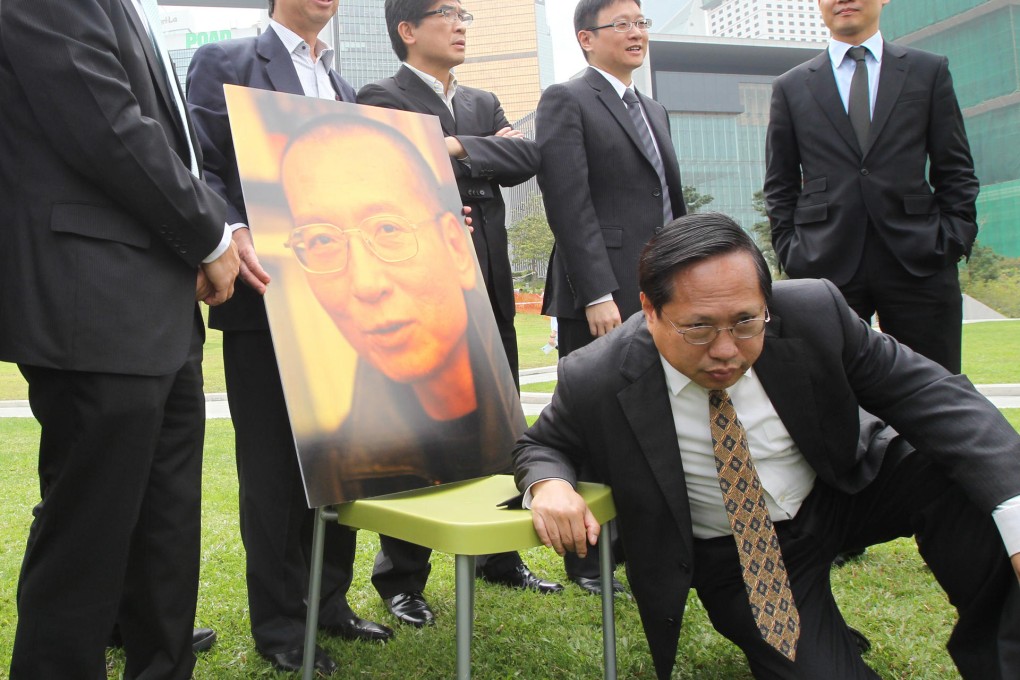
(362, 44)
(717, 92)
(981, 39)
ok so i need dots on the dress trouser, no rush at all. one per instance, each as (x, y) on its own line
(909, 497)
(925, 313)
(276, 523)
(120, 472)
(573, 334)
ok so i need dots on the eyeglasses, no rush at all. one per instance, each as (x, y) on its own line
(452, 15)
(703, 335)
(624, 25)
(325, 248)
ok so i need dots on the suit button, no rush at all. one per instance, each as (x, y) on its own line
(672, 622)
(684, 567)
(865, 171)
(656, 193)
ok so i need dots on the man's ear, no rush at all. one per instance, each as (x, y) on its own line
(460, 247)
(584, 39)
(406, 32)
(648, 309)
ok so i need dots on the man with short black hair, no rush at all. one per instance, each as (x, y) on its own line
(275, 522)
(727, 419)
(609, 179)
(430, 39)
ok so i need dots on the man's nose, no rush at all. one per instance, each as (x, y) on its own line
(365, 271)
(724, 345)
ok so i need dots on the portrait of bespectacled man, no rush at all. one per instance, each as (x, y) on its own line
(390, 360)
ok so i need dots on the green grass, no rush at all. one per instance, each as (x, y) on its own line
(532, 335)
(991, 352)
(546, 386)
(889, 595)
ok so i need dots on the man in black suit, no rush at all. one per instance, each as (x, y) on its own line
(846, 184)
(275, 520)
(730, 404)
(429, 38)
(109, 238)
(605, 190)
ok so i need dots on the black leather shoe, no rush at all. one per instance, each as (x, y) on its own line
(202, 639)
(411, 609)
(290, 661)
(594, 585)
(521, 577)
(357, 628)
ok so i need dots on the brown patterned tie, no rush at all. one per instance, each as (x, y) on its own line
(765, 577)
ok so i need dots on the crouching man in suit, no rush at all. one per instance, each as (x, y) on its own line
(726, 419)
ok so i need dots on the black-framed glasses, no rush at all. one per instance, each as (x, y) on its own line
(624, 25)
(323, 248)
(704, 335)
(452, 15)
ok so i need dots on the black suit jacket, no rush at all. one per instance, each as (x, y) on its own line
(264, 63)
(494, 162)
(601, 192)
(103, 224)
(820, 363)
(822, 189)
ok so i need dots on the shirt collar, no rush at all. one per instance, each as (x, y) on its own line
(292, 41)
(838, 50)
(435, 84)
(677, 381)
(614, 81)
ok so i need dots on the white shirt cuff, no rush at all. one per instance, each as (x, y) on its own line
(605, 298)
(237, 225)
(1007, 519)
(222, 247)
(526, 500)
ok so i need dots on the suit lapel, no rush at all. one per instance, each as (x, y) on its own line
(338, 87)
(279, 64)
(156, 67)
(464, 106)
(821, 83)
(646, 406)
(784, 376)
(611, 100)
(416, 89)
(894, 71)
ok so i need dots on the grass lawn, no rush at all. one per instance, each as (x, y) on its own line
(889, 595)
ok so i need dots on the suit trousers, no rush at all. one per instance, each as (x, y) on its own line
(120, 473)
(573, 334)
(909, 497)
(925, 313)
(276, 523)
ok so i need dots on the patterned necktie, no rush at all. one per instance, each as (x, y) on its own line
(765, 577)
(634, 109)
(859, 104)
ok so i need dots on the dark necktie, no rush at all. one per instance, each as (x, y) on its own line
(765, 577)
(645, 135)
(859, 106)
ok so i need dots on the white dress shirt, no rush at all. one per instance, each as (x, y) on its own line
(843, 67)
(312, 65)
(445, 91)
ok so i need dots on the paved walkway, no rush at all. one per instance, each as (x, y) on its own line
(1003, 396)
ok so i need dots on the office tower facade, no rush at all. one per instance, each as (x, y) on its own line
(364, 53)
(981, 38)
(793, 20)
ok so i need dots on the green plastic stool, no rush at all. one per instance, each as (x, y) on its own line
(463, 519)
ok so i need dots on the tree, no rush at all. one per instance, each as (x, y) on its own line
(696, 200)
(762, 234)
(531, 239)
(984, 264)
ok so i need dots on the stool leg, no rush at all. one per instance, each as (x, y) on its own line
(608, 611)
(465, 613)
(314, 590)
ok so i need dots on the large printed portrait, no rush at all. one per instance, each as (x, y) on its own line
(391, 363)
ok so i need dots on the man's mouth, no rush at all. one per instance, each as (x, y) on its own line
(386, 330)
